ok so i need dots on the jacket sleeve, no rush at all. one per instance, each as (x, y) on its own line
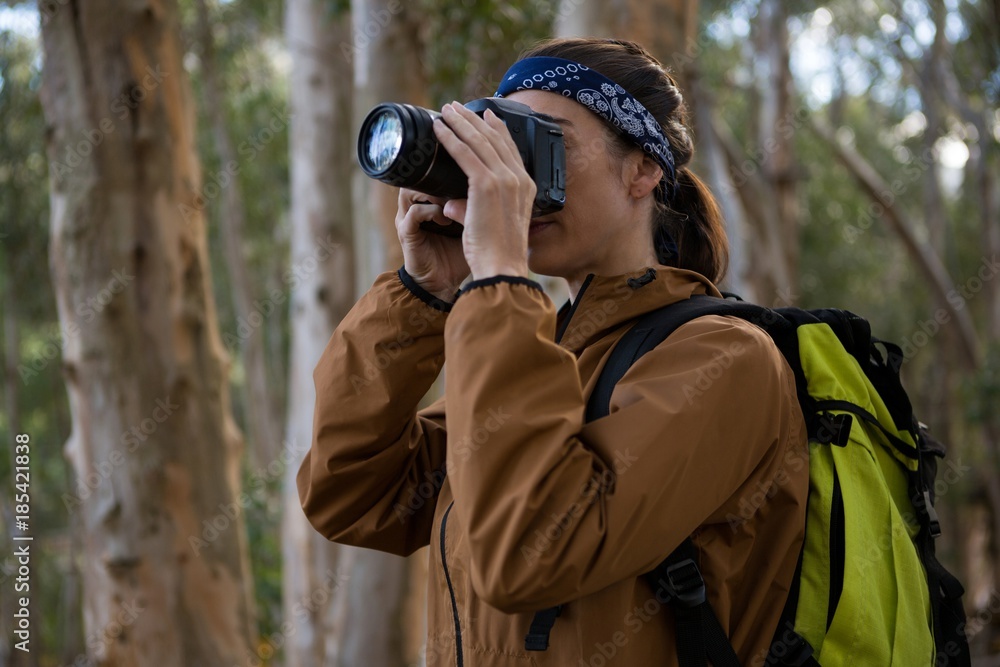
(375, 466)
(556, 509)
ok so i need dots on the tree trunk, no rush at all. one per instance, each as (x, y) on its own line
(665, 27)
(719, 178)
(774, 81)
(321, 154)
(264, 430)
(386, 56)
(153, 443)
(388, 67)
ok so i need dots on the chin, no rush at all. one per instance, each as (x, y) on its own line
(546, 262)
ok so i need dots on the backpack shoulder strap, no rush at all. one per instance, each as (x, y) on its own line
(678, 582)
(654, 327)
(707, 639)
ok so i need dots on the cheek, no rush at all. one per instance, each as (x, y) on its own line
(586, 159)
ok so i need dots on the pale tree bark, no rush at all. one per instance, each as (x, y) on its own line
(320, 154)
(719, 178)
(385, 54)
(153, 443)
(264, 429)
(386, 57)
(777, 168)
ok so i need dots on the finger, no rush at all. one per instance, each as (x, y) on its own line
(504, 142)
(460, 151)
(456, 208)
(410, 223)
(475, 133)
(496, 132)
(415, 197)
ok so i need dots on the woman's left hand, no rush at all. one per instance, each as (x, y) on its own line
(497, 213)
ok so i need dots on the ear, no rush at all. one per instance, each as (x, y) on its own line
(644, 176)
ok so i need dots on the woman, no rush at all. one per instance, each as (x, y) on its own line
(524, 505)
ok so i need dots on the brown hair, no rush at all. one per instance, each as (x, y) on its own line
(692, 217)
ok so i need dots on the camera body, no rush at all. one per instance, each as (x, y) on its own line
(397, 146)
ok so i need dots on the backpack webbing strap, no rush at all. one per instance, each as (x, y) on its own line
(537, 638)
(947, 612)
(787, 646)
(700, 636)
(950, 640)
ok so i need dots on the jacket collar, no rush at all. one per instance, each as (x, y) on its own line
(606, 303)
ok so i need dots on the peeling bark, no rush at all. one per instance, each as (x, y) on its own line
(153, 444)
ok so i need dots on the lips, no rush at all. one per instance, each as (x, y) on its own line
(538, 225)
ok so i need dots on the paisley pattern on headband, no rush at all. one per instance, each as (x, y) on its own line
(602, 96)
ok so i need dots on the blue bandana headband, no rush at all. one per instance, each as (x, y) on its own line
(602, 96)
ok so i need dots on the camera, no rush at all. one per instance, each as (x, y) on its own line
(397, 146)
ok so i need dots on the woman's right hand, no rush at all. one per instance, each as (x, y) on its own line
(436, 262)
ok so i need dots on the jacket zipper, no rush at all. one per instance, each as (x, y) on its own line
(572, 308)
(451, 589)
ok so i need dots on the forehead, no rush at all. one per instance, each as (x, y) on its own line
(580, 119)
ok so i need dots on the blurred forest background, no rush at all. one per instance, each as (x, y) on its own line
(184, 224)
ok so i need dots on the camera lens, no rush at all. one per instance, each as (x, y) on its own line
(397, 146)
(385, 137)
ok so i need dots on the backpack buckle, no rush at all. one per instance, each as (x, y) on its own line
(933, 524)
(831, 429)
(537, 638)
(685, 583)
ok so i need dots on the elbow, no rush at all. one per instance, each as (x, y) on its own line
(317, 513)
(518, 580)
(315, 500)
(502, 596)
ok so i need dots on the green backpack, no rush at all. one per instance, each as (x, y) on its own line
(868, 588)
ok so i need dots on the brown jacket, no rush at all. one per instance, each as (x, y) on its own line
(530, 506)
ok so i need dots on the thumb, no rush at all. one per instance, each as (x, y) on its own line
(455, 209)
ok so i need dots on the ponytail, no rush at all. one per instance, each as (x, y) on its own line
(693, 221)
(691, 218)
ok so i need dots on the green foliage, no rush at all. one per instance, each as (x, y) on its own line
(26, 301)
(469, 45)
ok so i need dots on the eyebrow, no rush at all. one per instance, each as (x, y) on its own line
(561, 121)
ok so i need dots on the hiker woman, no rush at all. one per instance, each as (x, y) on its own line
(525, 505)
